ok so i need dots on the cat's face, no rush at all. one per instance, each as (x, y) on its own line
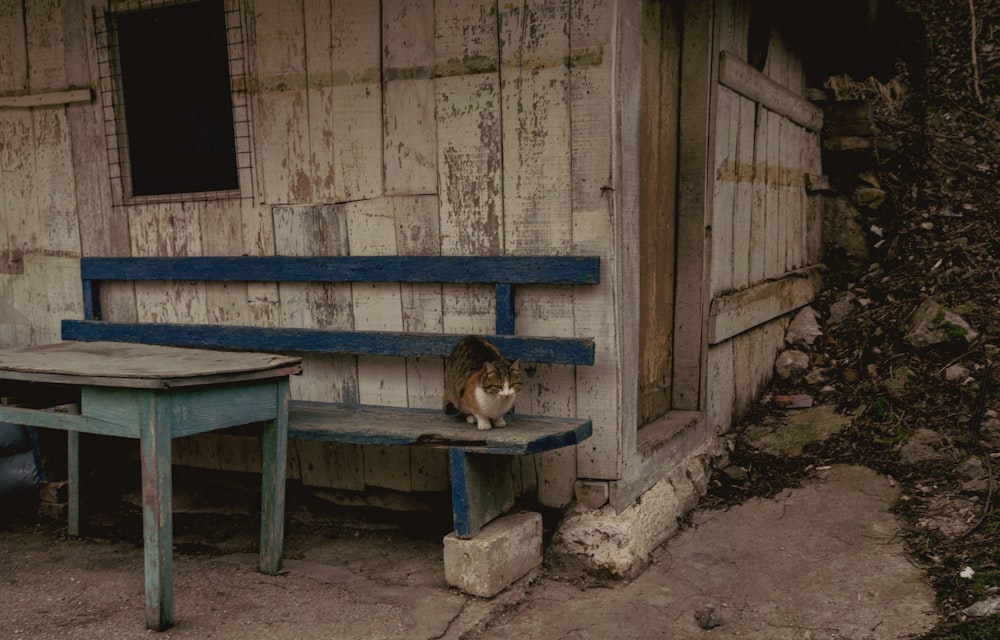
(501, 378)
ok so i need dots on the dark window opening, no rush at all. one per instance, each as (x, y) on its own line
(178, 107)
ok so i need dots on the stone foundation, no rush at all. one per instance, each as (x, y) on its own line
(608, 544)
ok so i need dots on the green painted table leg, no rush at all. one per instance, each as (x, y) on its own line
(272, 516)
(74, 514)
(157, 515)
(74, 507)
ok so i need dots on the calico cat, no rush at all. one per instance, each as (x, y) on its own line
(479, 383)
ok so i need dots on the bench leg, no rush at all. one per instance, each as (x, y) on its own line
(272, 506)
(482, 488)
(157, 510)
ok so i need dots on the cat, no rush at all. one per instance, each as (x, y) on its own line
(480, 383)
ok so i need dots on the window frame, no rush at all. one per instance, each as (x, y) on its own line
(113, 105)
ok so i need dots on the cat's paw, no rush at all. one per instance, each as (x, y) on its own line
(483, 424)
(499, 422)
(470, 419)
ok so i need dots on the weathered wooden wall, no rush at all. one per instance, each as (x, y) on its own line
(401, 127)
(446, 127)
(765, 247)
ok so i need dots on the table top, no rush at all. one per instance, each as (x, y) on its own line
(121, 364)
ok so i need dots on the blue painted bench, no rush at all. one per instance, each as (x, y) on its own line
(479, 461)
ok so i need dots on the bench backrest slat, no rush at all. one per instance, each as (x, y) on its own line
(444, 269)
(501, 272)
(293, 340)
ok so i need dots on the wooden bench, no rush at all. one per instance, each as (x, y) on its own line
(479, 461)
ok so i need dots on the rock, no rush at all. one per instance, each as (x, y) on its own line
(971, 468)
(797, 401)
(735, 473)
(869, 197)
(791, 363)
(991, 432)
(841, 308)
(895, 385)
(789, 435)
(949, 515)
(956, 372)
(845, 240)
(708, 617)
(983, 608)
(919, 447)
(816, 377)
(976, 485)
(804, 329)
(932, 324)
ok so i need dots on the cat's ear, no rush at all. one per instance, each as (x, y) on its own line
(489, 367)
(516, 365)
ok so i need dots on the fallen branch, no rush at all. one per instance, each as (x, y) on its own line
(975, 62)
(976, 429)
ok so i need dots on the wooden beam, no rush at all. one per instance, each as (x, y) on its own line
(695, 185)
(46, 99)
(747, 81)
(737, 312)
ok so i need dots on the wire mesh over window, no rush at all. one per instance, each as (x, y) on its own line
(176, 112)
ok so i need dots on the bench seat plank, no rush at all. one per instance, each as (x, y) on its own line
(391, 426)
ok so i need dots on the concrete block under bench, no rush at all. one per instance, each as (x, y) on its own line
(504, 552)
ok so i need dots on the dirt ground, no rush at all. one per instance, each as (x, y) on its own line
(823, 561)
(344, 576)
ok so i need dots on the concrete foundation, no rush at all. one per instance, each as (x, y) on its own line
(503, 552)
(605, 543)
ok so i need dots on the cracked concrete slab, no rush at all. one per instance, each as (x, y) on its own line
(821, 561)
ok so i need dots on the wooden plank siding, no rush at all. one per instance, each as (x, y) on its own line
(443, 128)
(591, 74)
(763, 254)
(405, 127)
(41, 232)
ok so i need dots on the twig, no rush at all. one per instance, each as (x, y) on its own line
(984, 120)
(975, 427)
(975, 63)
(953, 361)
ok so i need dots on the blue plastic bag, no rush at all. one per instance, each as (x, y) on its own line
(18, 474)
(13, 439)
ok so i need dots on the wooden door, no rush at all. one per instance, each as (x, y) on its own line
(657, 217)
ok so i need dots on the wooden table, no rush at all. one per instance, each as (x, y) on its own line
(154, 394)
